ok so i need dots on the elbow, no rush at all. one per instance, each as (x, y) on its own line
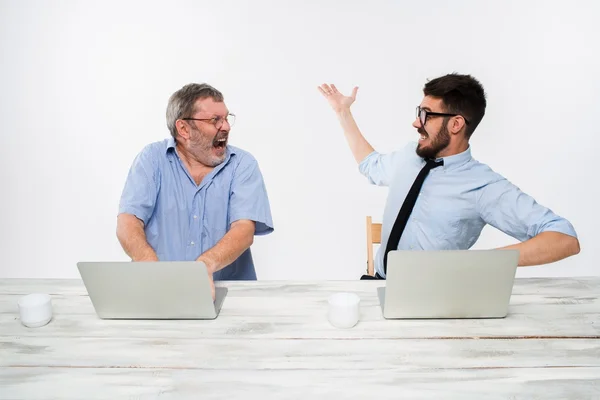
(123, 221)
(126, 225)
(574, 247)
(119, 229)
(568, 244)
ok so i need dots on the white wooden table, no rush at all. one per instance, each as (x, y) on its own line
(273, 340)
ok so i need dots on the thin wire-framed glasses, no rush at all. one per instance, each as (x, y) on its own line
(216, 121)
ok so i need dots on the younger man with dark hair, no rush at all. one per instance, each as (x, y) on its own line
(440, 198)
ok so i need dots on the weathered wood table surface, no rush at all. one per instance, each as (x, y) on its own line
(273, 340)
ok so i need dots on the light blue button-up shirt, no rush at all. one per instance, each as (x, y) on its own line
(455, 203)
(181, 219)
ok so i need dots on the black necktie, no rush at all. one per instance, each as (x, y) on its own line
(406, 209)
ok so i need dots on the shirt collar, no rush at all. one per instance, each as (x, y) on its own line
(456, 160)
(170, 143)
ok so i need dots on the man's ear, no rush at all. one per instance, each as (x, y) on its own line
(456, 125)
(183, 129)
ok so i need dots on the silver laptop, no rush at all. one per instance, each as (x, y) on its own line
(448, 283)
(151, 290)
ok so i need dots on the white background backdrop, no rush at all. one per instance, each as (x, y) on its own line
(85, 85)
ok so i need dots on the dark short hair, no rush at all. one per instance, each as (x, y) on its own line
(181, 103)
(461, 94)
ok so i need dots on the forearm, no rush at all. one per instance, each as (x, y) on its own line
(547, 247)
(131, 235)
(358, 144)
(237, 240)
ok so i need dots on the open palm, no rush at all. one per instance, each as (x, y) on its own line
(336, 99)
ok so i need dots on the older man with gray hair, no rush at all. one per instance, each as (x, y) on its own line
(194, 197)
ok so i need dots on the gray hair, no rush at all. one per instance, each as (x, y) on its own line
(181, 103)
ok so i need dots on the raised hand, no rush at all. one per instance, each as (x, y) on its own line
(336, 99)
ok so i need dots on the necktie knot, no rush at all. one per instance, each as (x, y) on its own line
(434, 164)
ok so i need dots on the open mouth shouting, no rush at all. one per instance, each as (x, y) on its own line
(220, 143)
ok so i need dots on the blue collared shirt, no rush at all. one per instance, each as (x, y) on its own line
(181, 219)
(455, 203)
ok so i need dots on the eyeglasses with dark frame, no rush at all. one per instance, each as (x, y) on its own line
(423, 114)
(215, 120)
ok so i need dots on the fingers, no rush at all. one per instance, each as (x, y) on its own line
(325, 89)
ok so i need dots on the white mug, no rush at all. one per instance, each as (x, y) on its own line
(35, 310)
(343, 310)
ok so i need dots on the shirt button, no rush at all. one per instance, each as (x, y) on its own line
(192, 243)
(195, 216)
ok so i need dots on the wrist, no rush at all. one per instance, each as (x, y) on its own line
(210, 265)
(147, 256)
(343, 111)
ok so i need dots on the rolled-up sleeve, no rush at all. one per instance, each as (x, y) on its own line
(248, 197)
(377, 168)
(504, 206)
(139, 194)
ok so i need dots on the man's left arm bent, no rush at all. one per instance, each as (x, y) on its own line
(237, 240)
(545, 237)
(250, 215)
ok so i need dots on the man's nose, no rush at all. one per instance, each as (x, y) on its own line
(417, 123)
